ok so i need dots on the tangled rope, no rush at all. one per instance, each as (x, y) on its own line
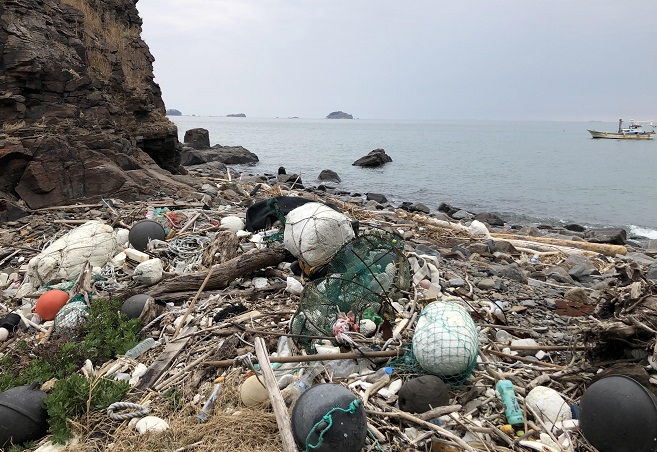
(188, 251)
(140, 410)
(328, 420)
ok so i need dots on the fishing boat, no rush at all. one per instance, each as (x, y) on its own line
(633, 132)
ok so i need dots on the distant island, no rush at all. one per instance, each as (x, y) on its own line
(339, 115)
(173, 112)
(236, 115)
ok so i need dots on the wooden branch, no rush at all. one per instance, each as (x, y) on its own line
(307, 358)
(602, 248)
(223, 273)
(275, 397)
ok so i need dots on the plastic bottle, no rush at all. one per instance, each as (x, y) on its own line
(293, 391)
(511, 407)
(210, 401)
(141, 348)
(379, 374)
(150, 212)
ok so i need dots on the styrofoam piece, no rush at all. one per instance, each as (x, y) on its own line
(232, 223)
(548, 404)
(151, 424)
(136, 255)
(148, 272)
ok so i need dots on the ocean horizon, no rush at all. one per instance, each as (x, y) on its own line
(528, 172)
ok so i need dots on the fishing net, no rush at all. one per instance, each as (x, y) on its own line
(363, 277)
(445, 344)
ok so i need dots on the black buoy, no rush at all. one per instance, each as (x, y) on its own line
(143, 231)
(618, 414)
(133, 306)
(23, 416)
(423, 393)
(347, 430)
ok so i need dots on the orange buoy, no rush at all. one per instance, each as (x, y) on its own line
(49, 304)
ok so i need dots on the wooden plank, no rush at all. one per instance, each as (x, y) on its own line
(162, 363)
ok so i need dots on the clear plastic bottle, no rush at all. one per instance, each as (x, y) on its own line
(210, 401)
(141, 348)
(379, 374)
(293, 391)
(150, 212)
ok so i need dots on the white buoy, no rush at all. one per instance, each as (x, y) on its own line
(314, 233)
(446, 339)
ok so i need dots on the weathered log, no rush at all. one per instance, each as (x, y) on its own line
(223, 248)
(223, 273)
(602, 248)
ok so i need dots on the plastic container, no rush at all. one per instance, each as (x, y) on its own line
(305, 381)
(511, 407)
(141, 348)
(205, 409)
(379, 374)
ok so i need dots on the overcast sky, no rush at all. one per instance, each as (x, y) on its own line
(422, 59)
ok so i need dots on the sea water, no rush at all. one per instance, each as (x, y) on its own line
(527, 172)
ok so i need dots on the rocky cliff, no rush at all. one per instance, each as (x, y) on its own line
(80, 115)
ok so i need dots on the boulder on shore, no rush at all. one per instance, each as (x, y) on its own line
(377, 157)
(229, 155)
(198, 138)
(329, 175)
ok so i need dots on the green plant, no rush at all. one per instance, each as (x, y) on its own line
(76, 396)
(175, 398)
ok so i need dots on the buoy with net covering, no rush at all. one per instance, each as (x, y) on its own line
(314, 233)
(446, 340)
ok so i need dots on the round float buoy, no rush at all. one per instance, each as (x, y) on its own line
(423, 393)
(133, 306)
(23, 416)
(49, 304)
(329, 417)
(618, 414)
(143, 231)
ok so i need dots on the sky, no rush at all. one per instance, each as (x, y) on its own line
(569, 60)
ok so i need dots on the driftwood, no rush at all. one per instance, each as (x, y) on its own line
(307, 358)
(223, 248)
(602, 248)
(275, 397)
(224, 273)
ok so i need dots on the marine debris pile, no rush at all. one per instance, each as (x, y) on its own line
(262, 318)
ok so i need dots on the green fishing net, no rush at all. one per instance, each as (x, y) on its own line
(363, 277)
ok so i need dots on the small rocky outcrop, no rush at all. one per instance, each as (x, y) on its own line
(377, 157)
(173, 112)
(328, 175)
(197, 138)
(489, 218)
(228, 155)
(339, 115)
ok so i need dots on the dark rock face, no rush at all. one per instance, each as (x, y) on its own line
(329, 175)
(614, 236)
(228, 155)
(81, 115)
(339, 115)
(197, 138)
(490, 218)
(377, 157)
(377, 197)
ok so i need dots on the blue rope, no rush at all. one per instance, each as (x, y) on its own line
(353, 406)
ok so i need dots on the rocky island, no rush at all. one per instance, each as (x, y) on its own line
(236, 115)
(339, 115)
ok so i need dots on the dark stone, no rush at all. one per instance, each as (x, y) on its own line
(422, 394)
(614, 236)
(510, 271)
(559, 274)
(292, 180)
(581, 272)
(575, 227)
(419, 207)
(281, 170)
(198, 138)
(489, 218)
(446, 208)
(9, 209)
(329, 175)
(503, 246)
(652, 272)
(377, 157)
(339, 115)
(377, 197)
